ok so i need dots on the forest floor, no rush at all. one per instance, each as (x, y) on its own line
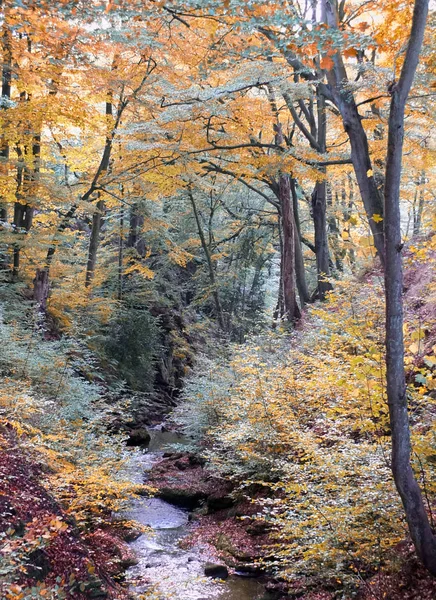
(57, 548)
(49, 555)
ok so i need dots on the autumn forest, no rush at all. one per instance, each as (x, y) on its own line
(217, 299)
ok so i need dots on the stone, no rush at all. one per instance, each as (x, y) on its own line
(185, 498)
(128, 562)
(248, 570)
(219, 502)
(216, 571)
(139, 437)
(130, 535)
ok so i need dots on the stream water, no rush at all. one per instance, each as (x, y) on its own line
(163, 566)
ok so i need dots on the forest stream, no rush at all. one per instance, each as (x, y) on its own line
(163, 566)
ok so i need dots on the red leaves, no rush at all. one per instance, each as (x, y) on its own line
(33, 520)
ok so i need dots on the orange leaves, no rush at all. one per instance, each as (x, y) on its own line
(363, 26)
(327, 63)
(349, 52)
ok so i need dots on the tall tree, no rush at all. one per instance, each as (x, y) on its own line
(420, 530)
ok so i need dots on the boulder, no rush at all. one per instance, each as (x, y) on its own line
(139, 437)
(130, 535)
(248, 570)
(216, 571)
(219, 502)
(183, 497)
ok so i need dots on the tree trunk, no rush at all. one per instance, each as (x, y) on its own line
(334, 232)
(26, 178)
(41, 289)
(6, 95)
(300, 270)
(94, 242)
(279, 310)
(319, 201)
(292, 310)
(319, 196)
(418, 205)
(97, 217)
(121, 257)
(217, 301)
(405, 481)
(135, 239)
(345, 102)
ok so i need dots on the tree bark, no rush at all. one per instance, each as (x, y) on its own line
(97, 217)
(94, 242)
(135, 239)
(405, 481)
(121, 258)
(317, 140)
(40, 289)
(292, 310)
(319, 208)
(337, 92)
(6, 95)
(279, 310)
(418, 205)
(26, 178)
(337, 82)
(300, 270)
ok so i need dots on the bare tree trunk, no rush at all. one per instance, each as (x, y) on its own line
(97, 217)
(334, 232)
(300, 270)
(292, 310)
(6, 95)
(288, 274)
(121, 257)
(279, 309)
(407, 486)
(40, 289)
(348, 209)
(24, 205)
(418, 205)
(94, 242)
(212, 279)
(319, 208)
(135, 239)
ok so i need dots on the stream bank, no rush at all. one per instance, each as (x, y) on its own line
(166, 567)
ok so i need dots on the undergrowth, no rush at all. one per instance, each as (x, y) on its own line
(305, 416)
(60, 415)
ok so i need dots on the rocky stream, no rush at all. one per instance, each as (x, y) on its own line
(165, 569)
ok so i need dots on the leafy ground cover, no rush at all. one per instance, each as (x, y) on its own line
(44, 554)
